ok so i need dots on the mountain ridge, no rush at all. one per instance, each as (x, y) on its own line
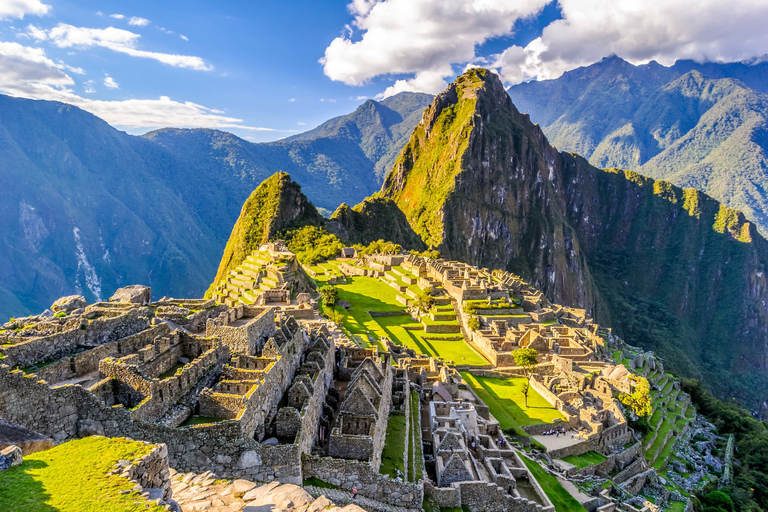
(666, 267)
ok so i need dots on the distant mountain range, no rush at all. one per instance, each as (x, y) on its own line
(87, 208)
(700, 125)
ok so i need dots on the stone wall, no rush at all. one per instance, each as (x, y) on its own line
(369, 482)
(444, 497)
(246, 338)
(87, 334)
(487, 497)
(151, 471)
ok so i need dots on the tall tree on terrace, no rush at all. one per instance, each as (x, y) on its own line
(526, 359)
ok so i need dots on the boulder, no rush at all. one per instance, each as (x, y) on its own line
(28, 440)
(241, 487)
(10, 456)
(282, 497)
(46, 314)
(69, 303)
(134, 294)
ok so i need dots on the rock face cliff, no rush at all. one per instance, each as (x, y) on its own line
(670, 269)
(276, 204)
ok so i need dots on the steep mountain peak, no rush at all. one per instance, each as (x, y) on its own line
(276, 204)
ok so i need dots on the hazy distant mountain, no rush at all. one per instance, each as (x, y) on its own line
(87, 208)
(696, 125)
(342, 160)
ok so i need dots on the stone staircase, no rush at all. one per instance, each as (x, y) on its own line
(245, 283)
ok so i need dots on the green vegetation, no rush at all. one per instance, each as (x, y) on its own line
(394, 446)
(329, 295)
(527, 359)
(639, 401)
(311, 244)
(417, 459)
(585, 459)
(504, 398)
(557, 494)
(316, 482)
(432, 162)
(73, 477)
(263, 215)
(749, 484)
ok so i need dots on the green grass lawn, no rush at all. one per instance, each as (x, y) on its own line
(392, 454)
(439, 345)
(557, 494)
(505, 399)
(72, 478)
(370, 294)
(416, 450)
(585, 459)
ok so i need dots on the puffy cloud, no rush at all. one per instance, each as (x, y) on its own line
(110, 83)
(419, 37)
(29, 73)
(661, 30)
(425, 39)
(20, 8)
(115, 39)
(117, 16)
(139, 22)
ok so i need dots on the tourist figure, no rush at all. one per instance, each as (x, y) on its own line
(354, 493)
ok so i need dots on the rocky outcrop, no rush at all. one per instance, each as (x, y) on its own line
(29, 441)
(69, 303)
(134, 294)
(203, 492)
(10, 456)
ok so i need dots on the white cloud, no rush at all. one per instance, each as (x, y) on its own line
(184, 37)
(115, 39)
(425, 39)
(300, 123)
(29, 73)
(292, 100)
(110, 83)
(661, 30)
(117, 16)
(328, 100)
(139, 22)
(99, 13)
(422, 38)
(20, 8)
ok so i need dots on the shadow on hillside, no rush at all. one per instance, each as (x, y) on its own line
(20, 490)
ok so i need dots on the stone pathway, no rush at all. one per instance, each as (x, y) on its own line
(205, 493)
(345, 497)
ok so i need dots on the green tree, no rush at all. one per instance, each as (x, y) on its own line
(330, 295)
(336, 317)
(473, 323)
(639, 401)
(425, 301)
(526, 358)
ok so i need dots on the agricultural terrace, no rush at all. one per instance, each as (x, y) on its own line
(370, 294)
(505, 399)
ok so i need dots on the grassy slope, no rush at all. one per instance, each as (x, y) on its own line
(370, 294)
(560, 498)
(431, 160)
(72, 478)
(394, 447)
(505, 399)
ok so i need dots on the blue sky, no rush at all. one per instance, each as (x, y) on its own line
(266, 70)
